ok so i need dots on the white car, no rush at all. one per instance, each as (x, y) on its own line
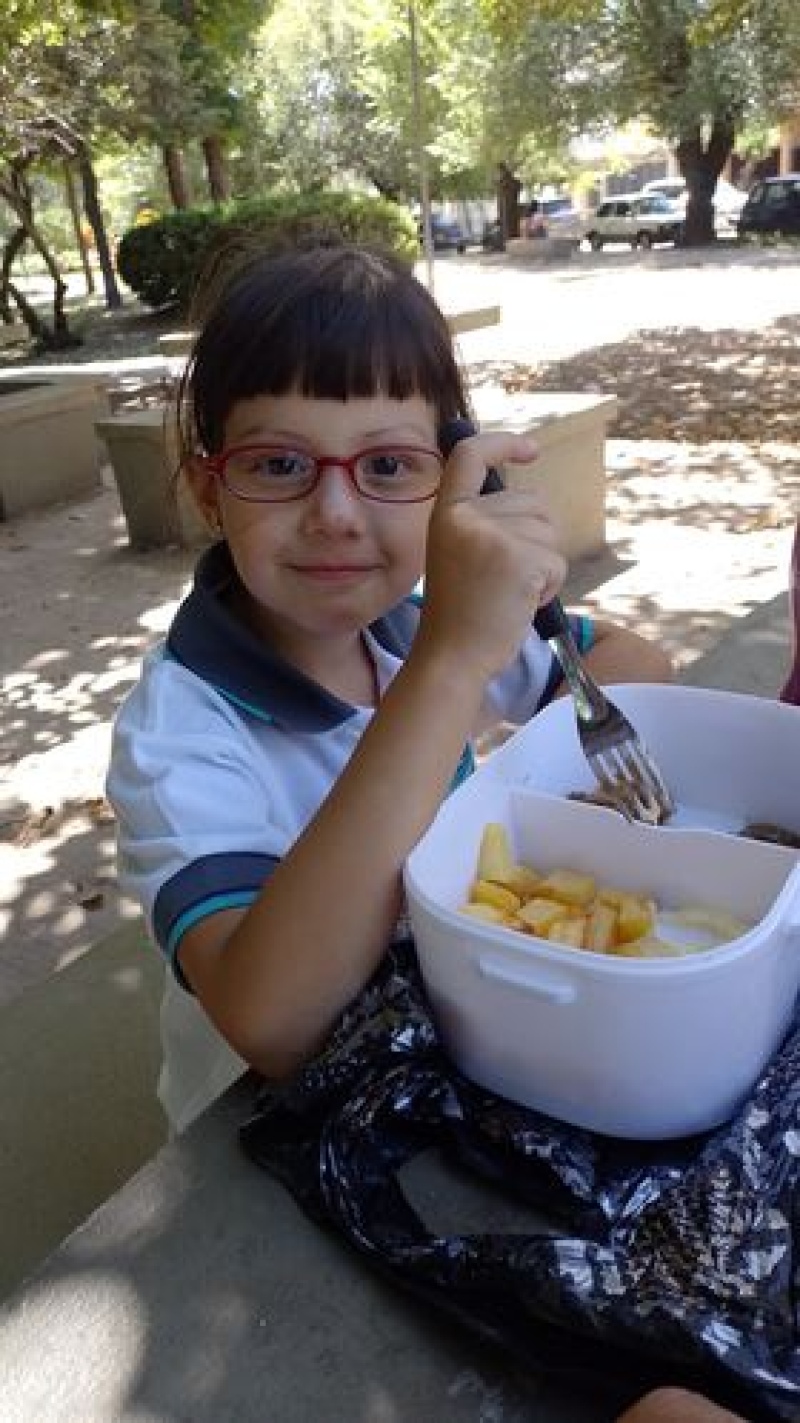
(641, 219)
(728, 200)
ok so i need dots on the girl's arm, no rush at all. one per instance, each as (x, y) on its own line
(618, 655)
(275, 977)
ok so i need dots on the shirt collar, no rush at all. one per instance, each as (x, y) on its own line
(212, 642)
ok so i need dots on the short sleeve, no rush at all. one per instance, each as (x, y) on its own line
(193, 813)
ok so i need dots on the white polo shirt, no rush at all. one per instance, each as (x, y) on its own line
(221, 755)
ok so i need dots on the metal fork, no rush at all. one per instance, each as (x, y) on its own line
(626, 772)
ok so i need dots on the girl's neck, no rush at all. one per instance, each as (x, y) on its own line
(343, 665)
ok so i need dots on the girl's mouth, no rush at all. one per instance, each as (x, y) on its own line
(333, 572)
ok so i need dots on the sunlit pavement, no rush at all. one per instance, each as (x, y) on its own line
(554, 310)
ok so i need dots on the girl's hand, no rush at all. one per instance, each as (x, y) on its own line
(491, 559)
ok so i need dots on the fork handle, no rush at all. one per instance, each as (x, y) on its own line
(552, 624)
(551, 620)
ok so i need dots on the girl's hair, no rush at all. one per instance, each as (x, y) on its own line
(332, 322)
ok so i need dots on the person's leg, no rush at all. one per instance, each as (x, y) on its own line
(676, 1405)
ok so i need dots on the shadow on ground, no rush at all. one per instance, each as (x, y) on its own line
(74, 642)
(80, 609)
(681, 383)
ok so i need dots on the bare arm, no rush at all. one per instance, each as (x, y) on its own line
(619, 655)
(274, 978)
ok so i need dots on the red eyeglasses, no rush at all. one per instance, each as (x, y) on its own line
(276, 474)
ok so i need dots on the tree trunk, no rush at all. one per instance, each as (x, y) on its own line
(175, 165)
(13, 247)
(17, 193)
(33, 321)
(508, 191)
(98, 226)
(80, 240)
(216, 168)
(701, 166)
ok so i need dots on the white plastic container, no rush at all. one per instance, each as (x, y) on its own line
(651, 1048)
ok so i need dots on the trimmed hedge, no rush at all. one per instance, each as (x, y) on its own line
(162, 261)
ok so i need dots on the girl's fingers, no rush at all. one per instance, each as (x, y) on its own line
(466, 467)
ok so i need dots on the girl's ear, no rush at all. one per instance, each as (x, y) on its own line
(204, 488)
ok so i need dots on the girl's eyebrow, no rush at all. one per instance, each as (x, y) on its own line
(260, 433)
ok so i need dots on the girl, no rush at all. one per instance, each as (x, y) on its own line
(295, 735)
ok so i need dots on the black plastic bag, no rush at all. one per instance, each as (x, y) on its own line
(673, 1262)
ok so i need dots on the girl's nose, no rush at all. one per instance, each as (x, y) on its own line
(335, 503)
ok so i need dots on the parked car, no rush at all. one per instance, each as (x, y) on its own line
(673, 188)
(728, 200)
(641, 219)
(447, 234)
(772, 208)
(553, 217)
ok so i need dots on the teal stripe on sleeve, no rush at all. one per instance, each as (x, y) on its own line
(235, 899)
(464, 768)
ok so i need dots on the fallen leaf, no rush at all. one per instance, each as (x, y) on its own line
(98, 810)
(35, 826)
(89, 895)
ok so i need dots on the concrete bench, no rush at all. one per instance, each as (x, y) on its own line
(542, 249)
(143, 455)
(79, 1057)
(48, 449)
(570, 432)
(200, 1291)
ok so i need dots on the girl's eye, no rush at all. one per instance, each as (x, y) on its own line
(277, 466)
(389, 465)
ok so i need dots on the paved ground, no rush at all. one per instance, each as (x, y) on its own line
(699, 536)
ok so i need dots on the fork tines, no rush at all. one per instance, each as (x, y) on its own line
(627, 772)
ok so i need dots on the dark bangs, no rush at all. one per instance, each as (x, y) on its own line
(332, 323)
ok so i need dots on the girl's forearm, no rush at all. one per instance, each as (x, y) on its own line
(322, 922)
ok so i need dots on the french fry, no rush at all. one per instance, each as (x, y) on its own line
(649, 947)
(537, 915)
(601, 928)
(486, 912)
(635, 918)
(494, 855)
(608, 895)
(487, 892)
(568, 887)
(521, 879)
(569, 931)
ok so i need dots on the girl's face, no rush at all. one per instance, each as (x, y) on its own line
(328, 564)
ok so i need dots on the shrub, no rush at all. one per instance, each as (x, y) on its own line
(163, 261)
(160, 260)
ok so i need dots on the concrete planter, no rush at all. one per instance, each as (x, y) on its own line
(142, 451)
(48, 449)
(569, 432)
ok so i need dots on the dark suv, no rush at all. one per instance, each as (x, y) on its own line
(773, 206)
(447, 235)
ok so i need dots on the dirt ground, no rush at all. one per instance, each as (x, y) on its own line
(699, 530)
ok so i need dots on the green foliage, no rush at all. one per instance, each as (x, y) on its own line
(680, 64)
(160, 260)
(163, 261)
